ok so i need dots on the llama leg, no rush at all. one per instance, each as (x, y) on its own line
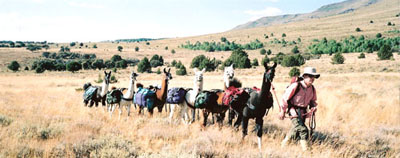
(221, 117)
(91, 103)
(205, 116)
(259, 126)
(231, 116)
(238, 120)
(171, 112)
(245, 123)
(198, 114)
(194, 115)
(128, 109)
(112, 109)
(184, 114)
(120, 111)
(85, 102)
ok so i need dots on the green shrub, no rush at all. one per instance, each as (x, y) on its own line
(239, 58)
(362, 56)
(121, 64)
(14, 66)
(26, 68)
(116, 58)
(120, 48)
(338, 58)
(269, 52)
(295, 50)
(98, 64)
(158, 71)
(156, 60)
(202, 61)
(293, 60)
(5, 121)
(283, 34)
(95, 46)
(73, 66)
(378, 35)
(144, 65)
(166, 48)
(72, 44)
(86, 65)
(265, 60)
(181, 71)
(136, 49)
(294, 72)
(385, 52)
(358, 29)
(255, 62)
(263, 51)
(173, 51)
(173, 63)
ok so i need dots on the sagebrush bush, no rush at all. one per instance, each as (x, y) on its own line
(5, 121)
(14, 66)
(293, 60)
(144, 65)
(294, 72)
(338, 58)
(361, 56)
(240, 58)
(385, 52)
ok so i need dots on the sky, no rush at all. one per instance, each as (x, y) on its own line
(101, 20)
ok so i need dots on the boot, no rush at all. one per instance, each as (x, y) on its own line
(304, 145)
(285, 142)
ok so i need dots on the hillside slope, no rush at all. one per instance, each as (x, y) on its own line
(324, 11)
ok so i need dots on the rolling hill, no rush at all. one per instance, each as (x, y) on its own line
(324, 11)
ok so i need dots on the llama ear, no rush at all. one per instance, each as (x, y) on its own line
(169, 70)
(105, 72)
(274, 65)
(195, 69)
(165, 71)
(231, 66)
(266, 65)
(202, 71)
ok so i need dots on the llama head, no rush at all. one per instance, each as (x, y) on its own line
(198, 74)
(168, 75)
(133, 76)
(229, 72)
(107, 77)
(269, 73)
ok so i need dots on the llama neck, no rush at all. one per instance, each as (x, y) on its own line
(164, 88)
(104, 88)
(198, 86)
(226, 82)
(266, 85)
(129, 94)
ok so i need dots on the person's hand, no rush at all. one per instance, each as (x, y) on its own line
(281, 115)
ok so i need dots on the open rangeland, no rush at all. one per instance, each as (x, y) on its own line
(42, 115)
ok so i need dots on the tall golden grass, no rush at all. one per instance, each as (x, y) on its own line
(42, 115)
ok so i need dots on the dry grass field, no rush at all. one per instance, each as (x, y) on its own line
(42, 115)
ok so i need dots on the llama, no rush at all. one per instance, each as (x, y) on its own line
(100, 92)
(190, 97)
(218, 110)
(161, 94)
(127, 97)
(258, 103)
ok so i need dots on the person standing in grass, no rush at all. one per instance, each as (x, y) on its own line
(299, 96)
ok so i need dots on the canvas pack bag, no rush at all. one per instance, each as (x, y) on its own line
(114, 96)
(144, 97)
(90, 92)
(206, 98)
(176, 95)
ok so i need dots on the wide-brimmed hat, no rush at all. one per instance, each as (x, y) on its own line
(311, 71)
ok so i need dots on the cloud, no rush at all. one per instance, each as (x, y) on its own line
(38, 1)
(269, 11)
(85, 5)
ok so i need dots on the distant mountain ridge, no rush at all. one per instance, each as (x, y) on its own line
(324, 11)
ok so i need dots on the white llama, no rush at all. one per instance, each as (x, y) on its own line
(126, 99)
(190, 97)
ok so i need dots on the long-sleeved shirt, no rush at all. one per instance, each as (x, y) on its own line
(304, 97)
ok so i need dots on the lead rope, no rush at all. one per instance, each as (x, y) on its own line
(312, 124)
